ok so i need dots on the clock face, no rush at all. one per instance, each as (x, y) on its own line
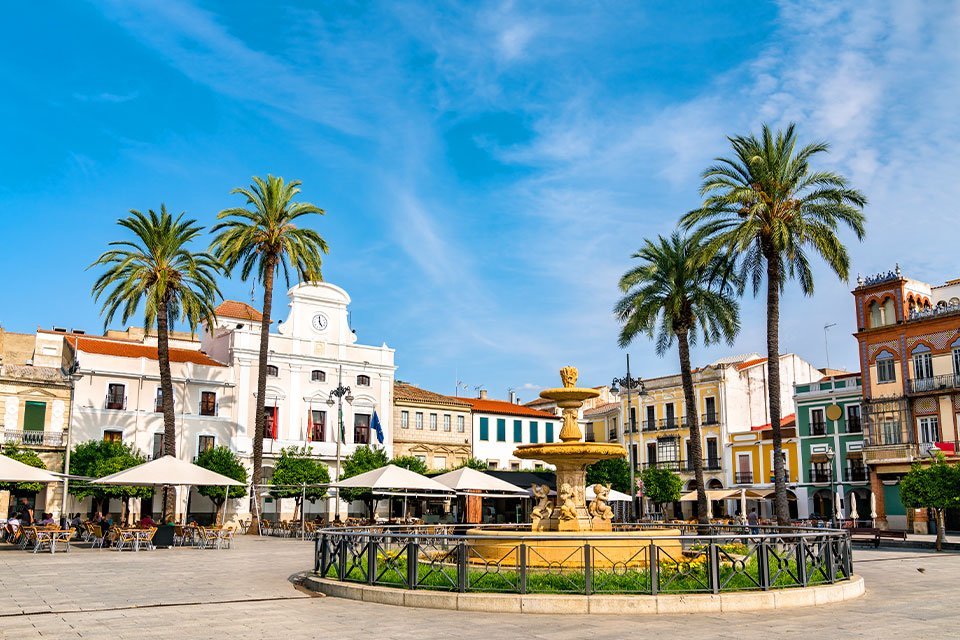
(320, 322)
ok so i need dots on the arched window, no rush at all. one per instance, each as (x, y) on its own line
(889, 312)
(272, 371)
(886, 367)
(874, 309)
(363, 381)
(318, 376)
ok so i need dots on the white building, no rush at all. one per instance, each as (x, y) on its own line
(309, 352)
(499, 427)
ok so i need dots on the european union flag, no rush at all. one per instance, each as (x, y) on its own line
(376, 426)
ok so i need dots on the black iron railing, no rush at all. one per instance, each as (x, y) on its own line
(820, 475)
(709, 418)
(743, 478)
(933, 383)
(34, 438)
(856, 474)
(115, 401)
(818, 428)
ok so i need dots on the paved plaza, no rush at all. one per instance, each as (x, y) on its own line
(250, 592)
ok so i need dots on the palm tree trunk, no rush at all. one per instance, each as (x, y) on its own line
(696, 448)
(260, 417)
(773, 382)
(166, 400)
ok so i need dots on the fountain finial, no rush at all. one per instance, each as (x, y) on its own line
(569, 376)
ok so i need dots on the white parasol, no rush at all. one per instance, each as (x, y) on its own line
(853, 506)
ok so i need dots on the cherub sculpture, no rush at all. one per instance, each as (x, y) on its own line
(568, 507)
(599, 507)
(544, 505)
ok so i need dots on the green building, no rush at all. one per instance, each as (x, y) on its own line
(830, 434)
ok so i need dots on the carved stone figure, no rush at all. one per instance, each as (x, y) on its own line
(568, 505)
(599, 508)
(569, 376)
(544, 506)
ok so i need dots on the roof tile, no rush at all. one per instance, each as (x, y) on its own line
(130, 349)
(238, 310)
(505, 408)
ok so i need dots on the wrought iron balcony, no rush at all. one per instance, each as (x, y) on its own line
(709, 464)
(856, 474)
(649, 425)
(672, 465)
(818, 428)
(854, 425)
(820, 475)
(933, 384)
(34, 438)
(115, 402)
(709, 418)
(743, 478)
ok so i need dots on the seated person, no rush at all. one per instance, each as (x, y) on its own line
(13, 525)
(47, 520)
(146, 522)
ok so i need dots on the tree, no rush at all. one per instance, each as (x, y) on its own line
(158, 271)
(936, 487)
(768, 208)
(263, 238)
(363, 459)
(225, 462)
(661, 485)
(28, 457)
(681, 292)
(474, 463)
(296, 468)
(98, 458)
(615, 472)
(412, 463)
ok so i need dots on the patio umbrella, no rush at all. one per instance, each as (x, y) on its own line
(743, 502)
(467, 480)
(15, 471)
(392, 480)
(853, 506)
(838, 502)
(615, 496)
(873, 508)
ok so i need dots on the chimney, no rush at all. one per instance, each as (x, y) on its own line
(483, 394)
(513, 397)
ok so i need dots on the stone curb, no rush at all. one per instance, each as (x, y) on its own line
(596, 604)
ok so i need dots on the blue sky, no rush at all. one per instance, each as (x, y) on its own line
(487, 168)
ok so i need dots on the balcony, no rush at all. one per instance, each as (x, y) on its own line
(709, 464)
(820, 475)
(115, 402)
(854, 425)
(890, 452)
(649, 425)
(34, 438)
(818, 428)
(933, 384)
(671, 465)
(612, 435)
(709, 418)
(743, 478)
(856, 474)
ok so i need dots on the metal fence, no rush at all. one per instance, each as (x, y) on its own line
(448, 558)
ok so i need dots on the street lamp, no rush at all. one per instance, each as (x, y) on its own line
(341, 393)
(630, 383)
(830, 454)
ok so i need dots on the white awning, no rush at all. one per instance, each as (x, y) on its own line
(15, 471)
(391, 477)
(467, 480)
(615, 496)
(169, 470)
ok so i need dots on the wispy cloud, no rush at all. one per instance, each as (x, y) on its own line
(107, 97)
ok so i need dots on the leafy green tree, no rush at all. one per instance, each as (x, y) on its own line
(363, 459)
(615, 473)
(661, 485)
(98, 458)
(474, 463)
(263, 238)
(295, 468)
(936, 487)
(771, 210)
(681, 291)
(412, 463)
(28, 457)
(158, 271)
(225, 462)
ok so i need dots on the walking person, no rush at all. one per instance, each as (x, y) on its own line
(754, 521)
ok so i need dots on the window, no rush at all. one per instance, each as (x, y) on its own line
(886, 370)
(929, 429)
(853, 419)
(439, 462)
(363, 381)
(817, 426)
(492, 464)
(518, 430)
(316, 425)
(485, 429)
(208, 403)
(651, 417)
(713, 454)
(433, 422)
(633, 419)
(116, 396)
(421, 457)
(548, 436)
(956, 361)
(446, 422)
(361, 428)
(922, 365)
(272, 371)
(158, 402)
(671, 418)
(404, 419)
(514, 466)
(501, 430)
(157, 445)
(890, 432)
(111, 435)
(318, 376)
(34, 416)
(418, 420)
(460, 424)
(205, 443)
(711, 414)
(651, 453)
(271, 422)
(534, 432)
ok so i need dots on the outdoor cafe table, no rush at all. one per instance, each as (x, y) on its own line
(49, 538)
(133, 538)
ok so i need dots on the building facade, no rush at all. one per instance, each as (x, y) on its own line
(435, 428)
(499, 427)
(909, 345)
(830, 432)
(751, 459)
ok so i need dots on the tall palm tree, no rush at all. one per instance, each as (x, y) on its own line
(263, 238)
(680, 292)
(158, 270)
(771, 210)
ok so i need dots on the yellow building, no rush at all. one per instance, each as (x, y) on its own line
(751, 461)
(432, 427)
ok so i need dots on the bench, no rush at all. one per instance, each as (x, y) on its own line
(874, 535)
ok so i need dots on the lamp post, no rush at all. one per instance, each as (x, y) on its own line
(75, 376)
(340, 393)
(629, 383)
(830, 454)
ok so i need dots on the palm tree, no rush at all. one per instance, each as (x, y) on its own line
(263, 238)
(678, 291)
(158, 271)
(770, 210)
